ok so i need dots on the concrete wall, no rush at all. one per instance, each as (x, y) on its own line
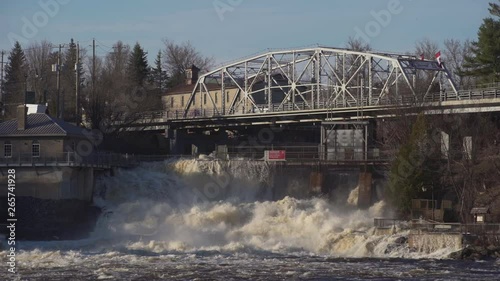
(52, 183)
(431, 242)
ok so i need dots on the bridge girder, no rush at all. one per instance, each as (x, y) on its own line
(318, 78)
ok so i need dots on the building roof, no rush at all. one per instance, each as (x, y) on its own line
(40, 124)
(479, 211)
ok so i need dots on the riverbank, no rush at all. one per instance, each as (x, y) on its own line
(490, 252)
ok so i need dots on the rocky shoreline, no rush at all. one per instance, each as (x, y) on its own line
(477, 253)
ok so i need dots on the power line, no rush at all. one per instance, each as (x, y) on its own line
(103, 44)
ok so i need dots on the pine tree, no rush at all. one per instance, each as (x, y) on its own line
(138, 66)
(158, 77)
(15, 80)
(415, 168)
(485, 62)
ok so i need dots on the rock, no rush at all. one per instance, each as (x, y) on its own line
(476, 256)
(484, 252)
(467, 252)
(491, 248)
(401, 240)
(478, 249)
(370, 246)
(456, 255)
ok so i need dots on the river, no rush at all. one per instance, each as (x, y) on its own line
(202, 220)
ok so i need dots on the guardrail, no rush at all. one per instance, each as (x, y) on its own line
(306, 153)
(489, 91)
(422, 227)
(388, 223)
(436, 227)
(102, 159)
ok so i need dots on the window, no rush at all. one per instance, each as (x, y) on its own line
(172, 102)
(35, 149)
(227, 96)
(216, 97)
(194, 101)
(204, 98)
(7, 150)
(182, 101)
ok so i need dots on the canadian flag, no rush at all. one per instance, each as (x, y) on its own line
(438, 58)
(422, 57)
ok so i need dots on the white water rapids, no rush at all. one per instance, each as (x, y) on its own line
(217, 206)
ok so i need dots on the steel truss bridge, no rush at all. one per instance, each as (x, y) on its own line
(321, 84)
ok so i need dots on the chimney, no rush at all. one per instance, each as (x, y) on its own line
(192, 75)
(22, 111)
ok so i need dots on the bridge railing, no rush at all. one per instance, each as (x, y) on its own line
(487, 91)
(388, 223)
(417, 226)
(68, 159)
(308, 153)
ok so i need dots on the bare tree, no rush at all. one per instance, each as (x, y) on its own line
(473, 160)
(179, 57)
(455, 53)
(427, 48)
(42, 80)
(116, 100)
(358, 45)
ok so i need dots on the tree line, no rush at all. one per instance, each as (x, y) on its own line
(117, 86)
(451, 157)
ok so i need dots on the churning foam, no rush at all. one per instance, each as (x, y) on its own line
(191, 205)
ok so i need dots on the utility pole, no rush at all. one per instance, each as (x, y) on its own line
(1, 76)
(77, 86)
(93, 68)
(58, 108)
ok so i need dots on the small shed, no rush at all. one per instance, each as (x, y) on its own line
(480, 214)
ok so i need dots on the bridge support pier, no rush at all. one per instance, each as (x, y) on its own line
(316, 180)
(365, 189)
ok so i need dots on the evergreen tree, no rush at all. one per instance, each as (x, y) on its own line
(15, 80)
(158, 77)
(415, 169)
(485, 62)
(138, 66)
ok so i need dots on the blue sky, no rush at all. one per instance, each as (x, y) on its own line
(231, 29)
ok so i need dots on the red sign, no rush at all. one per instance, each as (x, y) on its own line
(275, 155)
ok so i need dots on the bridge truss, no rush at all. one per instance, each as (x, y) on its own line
(318, 78)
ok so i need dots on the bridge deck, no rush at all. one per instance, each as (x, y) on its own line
(467, 101)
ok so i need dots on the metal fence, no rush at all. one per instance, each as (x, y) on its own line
(422, 227)
(101, 159)
(435, 227)
(307, 153)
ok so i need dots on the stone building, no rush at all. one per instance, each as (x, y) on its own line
(37, 136)
(53, 186)
(176, 99)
